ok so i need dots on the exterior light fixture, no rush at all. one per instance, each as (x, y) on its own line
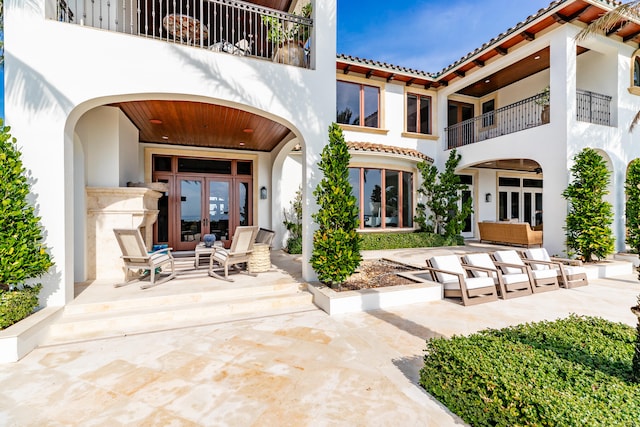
(487, 198)
(263, 192)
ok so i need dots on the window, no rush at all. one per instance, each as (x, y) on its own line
(636, 70)
(391, 209)
(488, 118)
(418, 113)
(357, 104)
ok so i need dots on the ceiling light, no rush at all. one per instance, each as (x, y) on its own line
(247, 130)
(165, 137)
(155, 121)
(536, 57)
(242, 144)
(487, 81)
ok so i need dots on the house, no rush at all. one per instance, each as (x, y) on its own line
(196, 99)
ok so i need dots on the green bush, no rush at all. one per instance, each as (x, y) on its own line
(373, 241)
(293, 223)
(17, 304)
(572, 372)
(22, 254)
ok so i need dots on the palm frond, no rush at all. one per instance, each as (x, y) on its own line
(625, 12)
(634, 122)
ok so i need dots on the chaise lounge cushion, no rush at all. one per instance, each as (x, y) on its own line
(449, 281)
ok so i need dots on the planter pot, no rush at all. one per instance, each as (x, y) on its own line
(546, 114)
(290, 53)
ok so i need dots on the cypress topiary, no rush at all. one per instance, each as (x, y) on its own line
(588, 223)
(336, 244)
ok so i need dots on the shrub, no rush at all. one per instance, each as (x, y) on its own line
(442, 193)
(373, 241)
(17, 304)
(632, 208)
(293, 223)
(336, 244)
(588, 223)
(22, 254)
(571, 372)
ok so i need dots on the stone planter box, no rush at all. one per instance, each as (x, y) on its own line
(19, 339)
(333, 302)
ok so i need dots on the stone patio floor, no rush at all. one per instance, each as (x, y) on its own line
(300, 369)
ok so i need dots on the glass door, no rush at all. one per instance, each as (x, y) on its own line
(219, 206)
(190, 214)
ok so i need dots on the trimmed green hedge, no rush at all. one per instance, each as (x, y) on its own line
(17, 304)
(373, 241)
(571, 372)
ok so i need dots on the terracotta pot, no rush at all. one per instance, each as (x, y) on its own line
(290, 53)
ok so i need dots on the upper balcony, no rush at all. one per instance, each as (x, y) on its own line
(531, 112)
(228, 26)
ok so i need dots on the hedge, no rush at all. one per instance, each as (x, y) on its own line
(571, 372)
(17, 304)
(373, 241)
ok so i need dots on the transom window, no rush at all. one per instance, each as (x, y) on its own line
(418, 113)
(358, 104)
(391, 208)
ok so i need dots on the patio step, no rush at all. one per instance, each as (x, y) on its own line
(83, 322)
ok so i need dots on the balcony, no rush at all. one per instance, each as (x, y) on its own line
(525, 114)
(232, 27)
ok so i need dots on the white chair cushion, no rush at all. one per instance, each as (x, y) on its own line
(574, 269)
(509, 279)
(509, 257)
(480, 260)
(448, 263)
(544, 274)
(538, 254)
(471, 282)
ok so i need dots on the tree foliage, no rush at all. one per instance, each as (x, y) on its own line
(293, 223)
(336, 244)
(632, 208)
(22, 253)
(588, 223)
(442, 193)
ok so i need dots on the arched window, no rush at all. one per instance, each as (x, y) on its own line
(636, 70)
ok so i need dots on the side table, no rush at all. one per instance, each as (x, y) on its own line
(202, 250)
(259, 259)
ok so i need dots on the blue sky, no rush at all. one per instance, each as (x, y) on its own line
(426, 35)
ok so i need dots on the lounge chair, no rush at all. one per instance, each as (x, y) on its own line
(570, 272)
(510, 285)
(452, 274)
(136, 257)
(510, 262)
(239, 252)
(265, 236)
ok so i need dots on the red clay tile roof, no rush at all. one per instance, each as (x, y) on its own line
(380, 148)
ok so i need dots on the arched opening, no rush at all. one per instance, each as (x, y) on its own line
(175, 168)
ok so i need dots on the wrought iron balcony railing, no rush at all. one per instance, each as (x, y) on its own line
(593, 108)
(230, 26)
(525, 114)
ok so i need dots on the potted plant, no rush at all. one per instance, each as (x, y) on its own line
(543, 101)
(288, 38)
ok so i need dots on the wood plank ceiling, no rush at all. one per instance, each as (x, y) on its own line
(202, 125)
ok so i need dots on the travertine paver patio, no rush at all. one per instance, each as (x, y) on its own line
(294, 369)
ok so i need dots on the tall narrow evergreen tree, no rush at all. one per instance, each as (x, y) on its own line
(336, 244)
(588, 223)
(22, 253)
(632, 208)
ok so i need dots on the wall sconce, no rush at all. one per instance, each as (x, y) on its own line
(263, 192)
(487, 197)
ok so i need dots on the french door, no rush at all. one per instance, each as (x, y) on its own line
(520, 199)
(202, 203)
